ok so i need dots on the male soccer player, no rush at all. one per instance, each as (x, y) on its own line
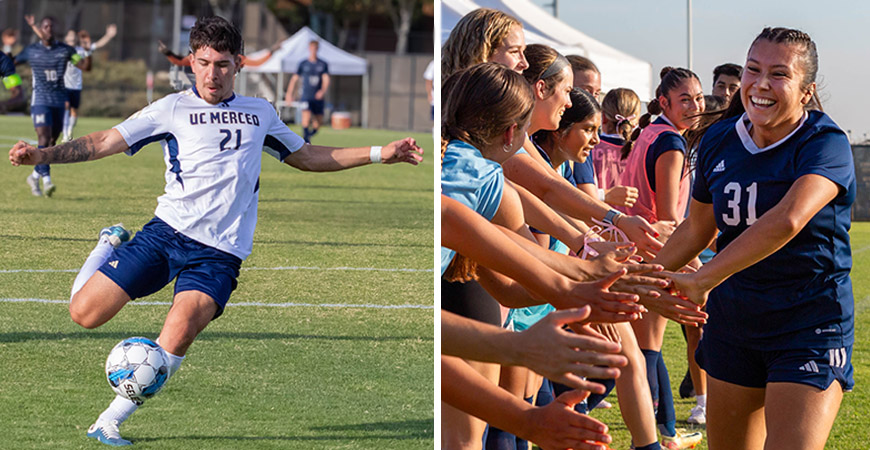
(314, 73)
(12, 82)
(48, 59)
(204, 223)
(726, 80)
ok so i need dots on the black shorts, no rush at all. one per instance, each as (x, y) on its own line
(470, 300)
(315, 106)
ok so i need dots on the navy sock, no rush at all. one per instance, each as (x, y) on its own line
(595, 399)
(306, 135)
(545, 393)
(666, 414)
(313, 131)
(497, 439)
(652, 359)
(654, 446)
(43, 170)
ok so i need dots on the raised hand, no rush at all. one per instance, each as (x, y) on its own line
(558, 426)
(639, 231)
(405, 150)
(566, 357)
(607, 306)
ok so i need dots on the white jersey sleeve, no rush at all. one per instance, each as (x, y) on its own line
(280, 142)
(149, 124)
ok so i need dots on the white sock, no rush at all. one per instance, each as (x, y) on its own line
(70, 125)
(701, 400)
(98, 256)
(46, 179)
(120, 409)
(34, 175)
(66, 117)
(174, 361)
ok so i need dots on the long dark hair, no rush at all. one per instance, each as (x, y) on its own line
(671, 79)
(583, 106)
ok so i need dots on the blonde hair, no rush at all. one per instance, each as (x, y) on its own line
(621, 102)
(474, 39)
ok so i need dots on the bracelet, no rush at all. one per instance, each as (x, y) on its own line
(611, 217)
(601, 194)
(375, 154)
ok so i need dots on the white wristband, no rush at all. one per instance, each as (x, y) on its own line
(601, 194)
(375, 154)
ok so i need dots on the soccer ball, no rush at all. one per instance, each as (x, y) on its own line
(137, 368)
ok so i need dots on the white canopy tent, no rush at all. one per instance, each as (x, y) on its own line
(618, 69)
(295, 49)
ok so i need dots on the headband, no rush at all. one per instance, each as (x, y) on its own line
(555, 67)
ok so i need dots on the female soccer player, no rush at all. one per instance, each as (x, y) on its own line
(620, 111)
(484, 35)
(656, 165)
(778, 181)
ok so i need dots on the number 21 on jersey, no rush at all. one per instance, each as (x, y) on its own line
(733, 190)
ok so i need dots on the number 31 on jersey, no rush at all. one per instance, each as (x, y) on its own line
(732, 216)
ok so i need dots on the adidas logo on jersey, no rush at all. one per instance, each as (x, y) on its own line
(114, 264)
(810, 367)
(719, 167)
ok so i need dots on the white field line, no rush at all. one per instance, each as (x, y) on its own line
(268, 305)
(14, 139)
(351, 269)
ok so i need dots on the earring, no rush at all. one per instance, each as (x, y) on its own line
(506, 148)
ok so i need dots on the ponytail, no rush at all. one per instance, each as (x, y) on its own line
(652, 108)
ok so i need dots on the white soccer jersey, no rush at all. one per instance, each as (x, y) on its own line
(212, 155)
(72, 78)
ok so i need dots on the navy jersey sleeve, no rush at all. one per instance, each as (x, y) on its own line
(325, 67)
(24, 56)
(299, 68)
(828, 154)
(666, 142)
(584, 173)
(7, 67)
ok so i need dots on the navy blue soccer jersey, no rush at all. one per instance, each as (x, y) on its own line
(49, 67)
(584, 173)
(311, 74)
(801, 294)
(666, 142)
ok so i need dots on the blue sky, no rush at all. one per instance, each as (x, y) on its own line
(656, 31)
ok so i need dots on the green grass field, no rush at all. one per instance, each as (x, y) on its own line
(307, 370)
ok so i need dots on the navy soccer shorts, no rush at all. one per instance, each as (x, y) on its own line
(75, 97)
(736, 364)
(48, 116)
(315, 106)
(158, 254)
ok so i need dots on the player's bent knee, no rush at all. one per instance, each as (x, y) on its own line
(82, 314)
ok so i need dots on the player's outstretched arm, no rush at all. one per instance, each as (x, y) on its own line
(555, 426)
(316, 158)
(546, 347)
(111, 31)
(86, 148)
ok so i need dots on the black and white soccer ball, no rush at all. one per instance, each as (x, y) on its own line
(137, 368)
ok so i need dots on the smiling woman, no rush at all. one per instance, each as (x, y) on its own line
(777, 183)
